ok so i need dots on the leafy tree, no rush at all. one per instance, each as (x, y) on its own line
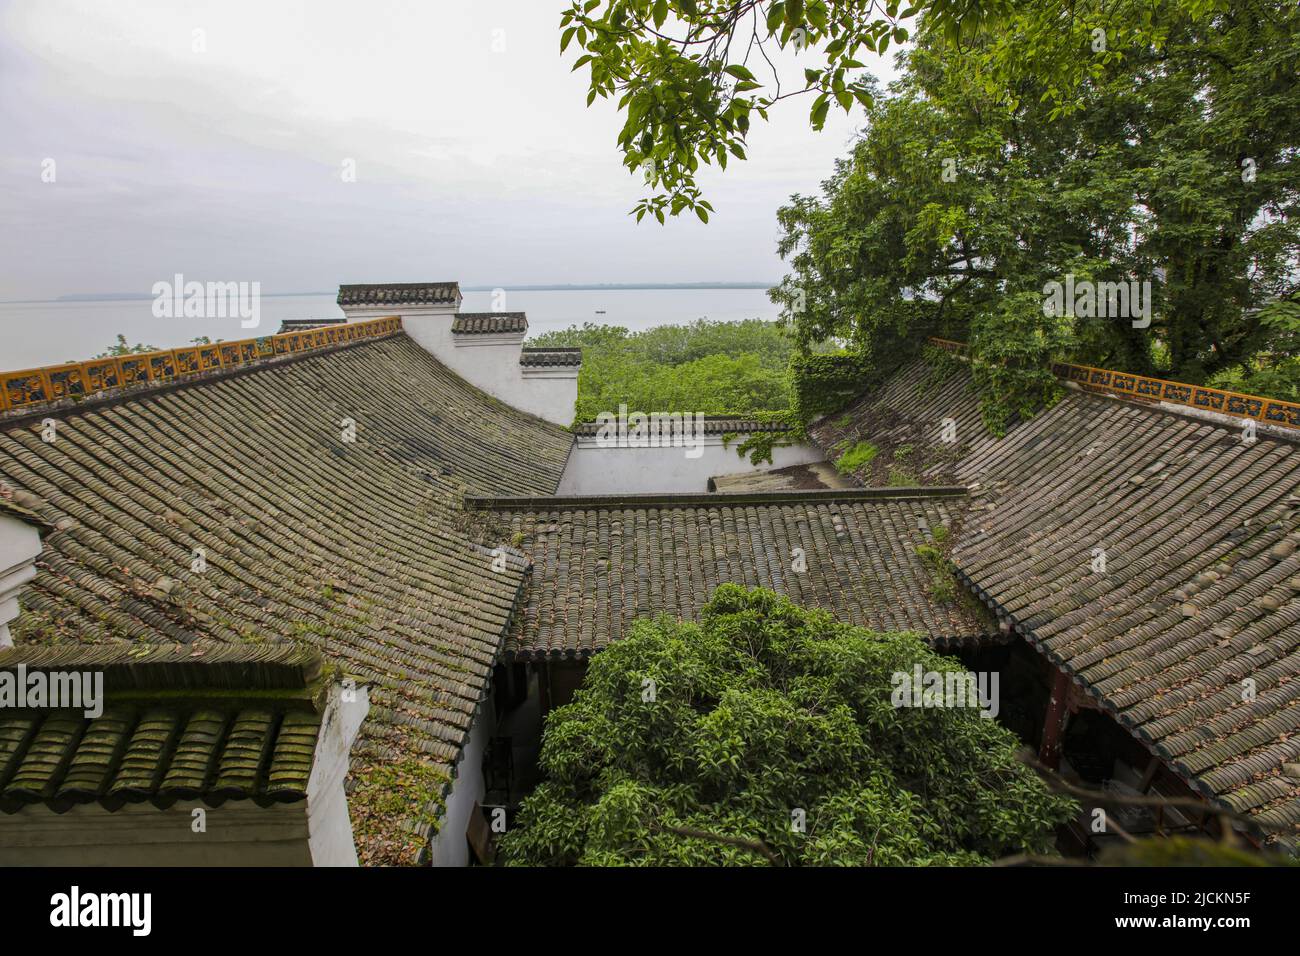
(737, 368)
(697, 744)
(1173, 164)
(691, 75)
(1275, 369)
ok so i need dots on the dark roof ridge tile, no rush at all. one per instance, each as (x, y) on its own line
(711, 499)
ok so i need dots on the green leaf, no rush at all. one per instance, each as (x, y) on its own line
(820, 107)
(775, 16)
(660, 13)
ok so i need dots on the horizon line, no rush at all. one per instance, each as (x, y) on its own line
(521, 287)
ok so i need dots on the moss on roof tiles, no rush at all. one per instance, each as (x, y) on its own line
(1201, 583)
(394, 806)
(598, 565)
(176, 724)
(358, 548)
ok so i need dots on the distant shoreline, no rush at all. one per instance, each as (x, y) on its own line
(561, 287)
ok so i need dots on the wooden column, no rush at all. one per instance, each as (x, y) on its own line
(1058, 712)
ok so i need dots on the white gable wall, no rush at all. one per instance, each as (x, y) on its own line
(488, 362)
(20, 543)
(593, 470)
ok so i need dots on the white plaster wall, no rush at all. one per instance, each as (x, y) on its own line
(451, 846)
(489, 362)
(329, 826)
(549, 393)
(20, 543)
(238, 833)
(593, 470)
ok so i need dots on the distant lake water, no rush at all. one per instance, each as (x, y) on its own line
(45, 333)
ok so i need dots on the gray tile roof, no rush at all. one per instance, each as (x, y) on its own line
(400, 293)
(12, 509)
(357, 548)
(302, 325)
(601, 562)
(487, 323)
(1200, 596)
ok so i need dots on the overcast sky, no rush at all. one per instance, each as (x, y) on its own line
(476, 158)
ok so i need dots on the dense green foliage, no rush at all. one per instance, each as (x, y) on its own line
(717, 368)
(691, 75)
(1173, 163)
(761, 710)
(1274, 370)
(824, 383)
(1132, 140)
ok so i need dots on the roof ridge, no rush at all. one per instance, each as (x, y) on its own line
(712, 499)
(1112, 383)
(32, 390)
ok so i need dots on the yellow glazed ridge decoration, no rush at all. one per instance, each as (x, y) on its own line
(1270, 411)
(32, 388)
